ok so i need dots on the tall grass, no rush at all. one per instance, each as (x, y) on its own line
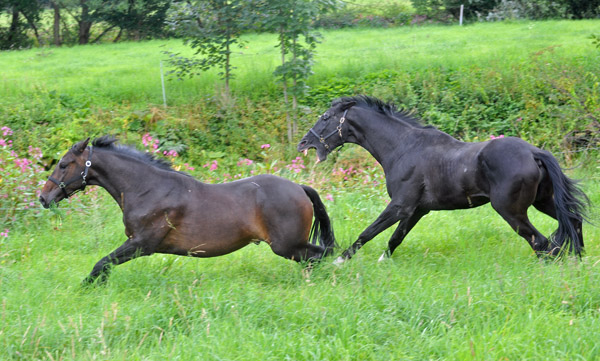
(130, 72)
(462, 286)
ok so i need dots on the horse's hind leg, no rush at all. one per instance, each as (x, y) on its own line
(298, 251)
(546, 206)
(511, 202)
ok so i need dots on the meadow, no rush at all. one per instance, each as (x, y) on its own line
(462, 285)
(130, 72)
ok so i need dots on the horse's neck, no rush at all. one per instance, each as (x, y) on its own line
(121, 176)
(379, 135)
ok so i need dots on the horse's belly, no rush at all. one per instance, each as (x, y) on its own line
(202, 245)
(457, 201)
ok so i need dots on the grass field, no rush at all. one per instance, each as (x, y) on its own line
(129, 73)
(463, 285)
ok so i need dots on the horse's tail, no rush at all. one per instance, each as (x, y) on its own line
(570, 203)
(322, 231)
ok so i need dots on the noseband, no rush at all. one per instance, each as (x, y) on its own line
(338, 130)
(63, 185)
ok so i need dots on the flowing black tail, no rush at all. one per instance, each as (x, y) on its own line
(321, 232)
(571, 204)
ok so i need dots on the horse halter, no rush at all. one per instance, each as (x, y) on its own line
(338, 130)
(63, 185)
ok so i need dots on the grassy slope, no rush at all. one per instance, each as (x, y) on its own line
(130, 73)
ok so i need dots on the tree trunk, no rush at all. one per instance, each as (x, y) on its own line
(227, 70)
(294, 95)
(31, 23)
(284, 82)
(14, 28)
(85, 25)
(104, 32)
(56, 27)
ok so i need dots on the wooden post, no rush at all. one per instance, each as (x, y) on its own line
(462, 7)
(162, 81)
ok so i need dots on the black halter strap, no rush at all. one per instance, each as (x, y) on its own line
(338, 130)
(63, 184)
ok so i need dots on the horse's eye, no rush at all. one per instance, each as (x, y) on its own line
(62, 165)
(325, 116)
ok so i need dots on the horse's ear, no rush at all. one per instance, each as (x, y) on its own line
(80, 147)
(348, 105)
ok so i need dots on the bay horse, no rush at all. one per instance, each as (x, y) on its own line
(427, 169)
(166, 211)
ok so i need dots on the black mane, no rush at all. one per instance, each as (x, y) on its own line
(378, 105)
(109, 142)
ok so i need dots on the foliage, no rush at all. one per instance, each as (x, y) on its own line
(291, 20)
(442, 9)
(212, 28)
(24, 15)
(512, 9)
(368, 14)
(522, 9)
(595, 40)
(142, 19)
(20, 178)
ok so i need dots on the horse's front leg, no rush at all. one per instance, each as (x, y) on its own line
(129, 250)
(390, 215)
(404, 227)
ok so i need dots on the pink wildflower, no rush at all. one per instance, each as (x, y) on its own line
(498, 137)
(329, 197)
(5, 233)
(244, 161)
(265, 146)
(6, 131)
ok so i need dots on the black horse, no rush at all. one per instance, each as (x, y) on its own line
(166, 211)
(427, 169)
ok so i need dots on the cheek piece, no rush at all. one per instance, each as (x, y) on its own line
(62, 184)
(338, 129)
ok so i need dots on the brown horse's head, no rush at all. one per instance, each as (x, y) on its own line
(69, 175)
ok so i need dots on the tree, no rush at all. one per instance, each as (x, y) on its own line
(212, 28)
(138, 18)
(15, 35)
(292, 20)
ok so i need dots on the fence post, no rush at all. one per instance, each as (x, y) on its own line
(462, 7)
(162, 81)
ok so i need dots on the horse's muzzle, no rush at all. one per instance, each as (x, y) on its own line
(44, 202)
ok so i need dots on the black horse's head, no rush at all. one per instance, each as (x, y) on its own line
(328, 132)
(69, 175)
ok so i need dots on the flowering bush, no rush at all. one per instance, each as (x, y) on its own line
(20, 180)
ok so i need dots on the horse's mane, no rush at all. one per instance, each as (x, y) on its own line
(378, 105)
(110, 143)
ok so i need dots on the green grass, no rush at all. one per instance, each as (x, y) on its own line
(463, 285)
(129, 73)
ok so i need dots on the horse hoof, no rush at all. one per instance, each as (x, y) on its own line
(338, 261)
